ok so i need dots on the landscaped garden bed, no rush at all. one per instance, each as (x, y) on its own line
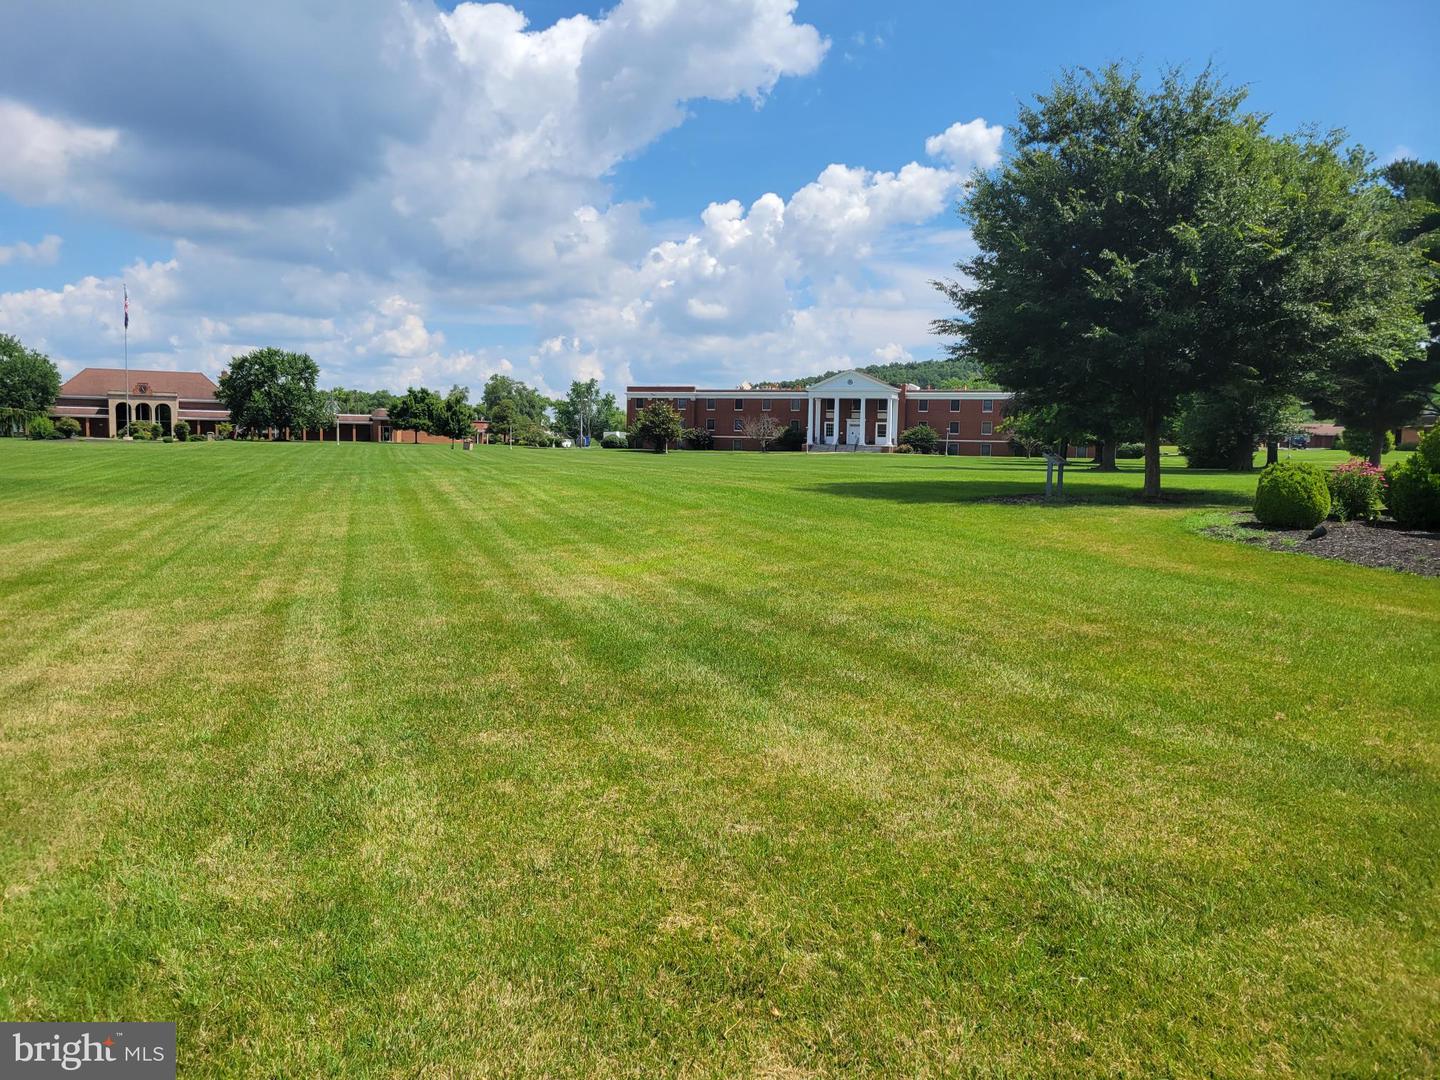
(1377, 543)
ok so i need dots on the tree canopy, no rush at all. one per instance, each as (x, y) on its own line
(526, 402)
(584, 410)
(1144, 245)
(271, 388)
(29, 384)
(658, 424)
(417, 410)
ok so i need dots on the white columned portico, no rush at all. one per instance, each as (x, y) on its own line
(892, 419)
(863, 402)
(835, 428)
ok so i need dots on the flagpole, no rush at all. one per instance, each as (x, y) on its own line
(129, 411)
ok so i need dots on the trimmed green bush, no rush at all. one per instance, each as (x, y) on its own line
(1413, 494)
(1292, 495)
(182, 430)
(698, 439)
(904, 448)
(67, 427)
(921, 438)
(791, 439)
(1130, 451)
(224, 431)
(41, 427)
(612, 442)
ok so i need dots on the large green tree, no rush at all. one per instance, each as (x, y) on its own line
(456, 416)
(527, 402)
(586, 411)
(418, 409)
(1144, 245)
(1383, 374)
(29, 385)
(271, 389)
(657, 424)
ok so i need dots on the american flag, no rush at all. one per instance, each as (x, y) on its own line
(126, 290)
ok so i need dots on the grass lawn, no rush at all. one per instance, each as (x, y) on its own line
(401, 761)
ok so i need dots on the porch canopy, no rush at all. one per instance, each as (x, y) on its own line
(876, 399)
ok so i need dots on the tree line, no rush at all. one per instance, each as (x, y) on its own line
(1148, 254)
(270, 389)
(273, 390)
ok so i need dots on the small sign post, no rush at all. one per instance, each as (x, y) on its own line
(1054, 475)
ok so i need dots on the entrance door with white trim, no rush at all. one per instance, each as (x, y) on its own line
(852, 431)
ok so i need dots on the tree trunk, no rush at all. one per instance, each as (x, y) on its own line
(1105, 455)
(1377, 448)
(1272, 451)
(1151, 490)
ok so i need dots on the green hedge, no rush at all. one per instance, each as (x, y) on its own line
(1292, 495)
(1413, 494)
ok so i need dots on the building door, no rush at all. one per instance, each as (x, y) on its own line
(852, 431)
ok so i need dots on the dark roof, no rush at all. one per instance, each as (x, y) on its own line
(98, 382)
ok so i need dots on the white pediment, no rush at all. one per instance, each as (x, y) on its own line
(850, 381)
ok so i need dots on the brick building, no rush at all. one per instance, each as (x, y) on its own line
(850, 410)
(102, 403)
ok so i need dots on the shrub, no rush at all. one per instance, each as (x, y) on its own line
(698, 439)
(1130, 451)
(224, 431)
(1414, 486)
(791, 439)
(921, 439)
(1360, 442)
(612, 442)
(41, 427)
(144, 429)
(182, 430)
(904, 448)
(168, 438)
(1357, 491)
(67, 427)
(1292, 495)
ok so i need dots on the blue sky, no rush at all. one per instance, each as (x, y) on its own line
(717, 192)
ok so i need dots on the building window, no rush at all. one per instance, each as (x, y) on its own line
(639, 403)
(710, 423)
(954, 427)
(829, 429)
(984, 449)
(955, 404)
(739, 424)
(987, 428)
(988, 405)
(739, 404)
(765, 404)
(681, 402)
(795, 404)
(710, 404)
(794, 425)
(922, 405)
(882, 429)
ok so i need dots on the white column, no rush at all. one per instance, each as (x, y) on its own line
(836, 437)
(864, 401)
(809, 420)
(892, 426)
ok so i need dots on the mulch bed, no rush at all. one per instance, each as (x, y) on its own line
(1379, 543)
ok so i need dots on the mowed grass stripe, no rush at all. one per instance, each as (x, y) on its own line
(531, 763)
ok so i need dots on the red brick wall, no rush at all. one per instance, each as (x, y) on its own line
(969, 420)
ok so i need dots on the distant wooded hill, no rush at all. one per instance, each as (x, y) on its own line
(945, 374)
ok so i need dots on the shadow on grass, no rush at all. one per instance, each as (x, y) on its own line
(1078, 492)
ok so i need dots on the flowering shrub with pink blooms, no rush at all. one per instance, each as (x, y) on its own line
(1357, 490)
